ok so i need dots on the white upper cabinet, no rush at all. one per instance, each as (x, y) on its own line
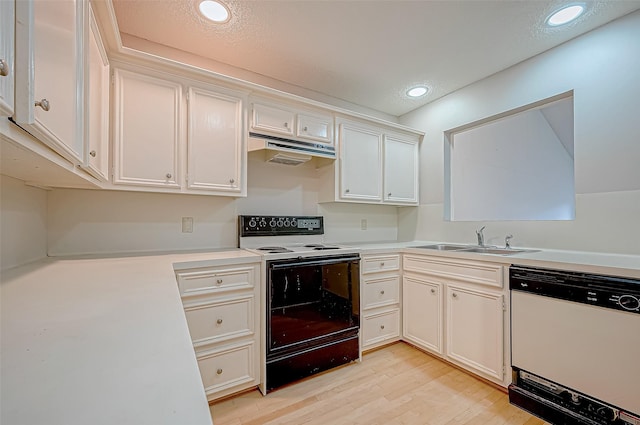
(271, 119)
(360, 162)
(7, 25)
(96, 158)
(316, 128)
(400, 170)
(216, 152)
(288, 122)
(147, 126)
(49, 73)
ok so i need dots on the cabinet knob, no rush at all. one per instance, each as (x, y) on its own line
(382, 292)
(286, 125)
(381, 326)
(219, 281)
(454, 295)
(219, 371)
(382, 264)
(4, 70)
(433, 291)
(389, 194)
(232, 181)
(346, 191)
(168, 175)
(44, 104)
(92, 153)
(304, 129)
(219, 321)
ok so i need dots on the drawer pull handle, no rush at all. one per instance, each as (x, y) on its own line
(454, 295)
(168, 175)
(219, 321)
(219, 281)
(381, 326)
(219, 371)
(433, 291)
(93, 154)
(44, 104)
(381, 264)
(4, 70)
(382, 292)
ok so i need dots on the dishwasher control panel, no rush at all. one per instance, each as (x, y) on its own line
(616, 293)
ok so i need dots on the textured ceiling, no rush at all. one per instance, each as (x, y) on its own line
(365, 52)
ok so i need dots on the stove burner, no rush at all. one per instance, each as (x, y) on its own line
(274, 249)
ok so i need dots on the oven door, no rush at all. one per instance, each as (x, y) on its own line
(311, 301)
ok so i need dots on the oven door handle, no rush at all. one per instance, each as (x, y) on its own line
(326, 261)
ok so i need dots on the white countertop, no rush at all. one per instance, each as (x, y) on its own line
(101, 341)
(104, 340)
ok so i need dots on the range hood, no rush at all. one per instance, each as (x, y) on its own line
(289, 151)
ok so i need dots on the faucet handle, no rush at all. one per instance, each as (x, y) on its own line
(507, 241)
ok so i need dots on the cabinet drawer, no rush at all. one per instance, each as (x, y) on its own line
(380, 263)
(210, 323)
(381, 292)
(227, 370)
(466, 271)
(381, 327)
(211, 280)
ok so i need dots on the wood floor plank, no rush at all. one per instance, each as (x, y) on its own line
(394, 385)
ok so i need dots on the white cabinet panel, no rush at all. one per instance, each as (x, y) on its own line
(381, 292)
(400, 170)
(380, 328)
(147, 130)
(272, 120)
(7, 25)
(97, 101)
(475, 329)
(315, 128)
(422, 312)
(50, 73)
(360, 163)
(221, 320)
(215, 141)
(226, 369)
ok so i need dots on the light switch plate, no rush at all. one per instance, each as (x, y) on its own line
(187, 224)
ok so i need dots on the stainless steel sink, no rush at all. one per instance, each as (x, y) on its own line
(444, 247)
(496, 251)
(474, 248)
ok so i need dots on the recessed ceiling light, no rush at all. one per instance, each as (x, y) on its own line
(417, 91)
(565, 15)
(214, 11)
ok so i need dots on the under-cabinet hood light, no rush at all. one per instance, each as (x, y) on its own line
(565, 15)
(214, 11)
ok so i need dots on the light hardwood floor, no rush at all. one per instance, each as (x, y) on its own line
(394, 385)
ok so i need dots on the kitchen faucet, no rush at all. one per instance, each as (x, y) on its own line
(480, 236)
(507, 241)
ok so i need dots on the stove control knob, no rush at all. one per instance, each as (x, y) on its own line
(287, 223)
(280, 223)
(252, 223)
(294, 223)
(629, 302)
(263, 222)
(272, 223)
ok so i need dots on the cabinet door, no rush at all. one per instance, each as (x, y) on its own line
(400, 170)
(475, 329)
(272, 120)
(422, 313)
(49, 73)
(7, 25)
(147, 130)
(215, 141)
(360, 163)
(97, 100)
(315, 128)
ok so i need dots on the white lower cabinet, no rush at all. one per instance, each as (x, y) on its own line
(221, 305)
(456, 309)
(422, 310)
(380, 294)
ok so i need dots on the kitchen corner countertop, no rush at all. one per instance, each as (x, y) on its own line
(101, 340)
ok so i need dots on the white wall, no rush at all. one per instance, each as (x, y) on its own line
(90, 221)
(23, 220)
(602, 68)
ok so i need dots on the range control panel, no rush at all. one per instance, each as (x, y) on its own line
(281, 225)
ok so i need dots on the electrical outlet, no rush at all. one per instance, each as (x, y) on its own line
(363, 224)
(187, 224)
